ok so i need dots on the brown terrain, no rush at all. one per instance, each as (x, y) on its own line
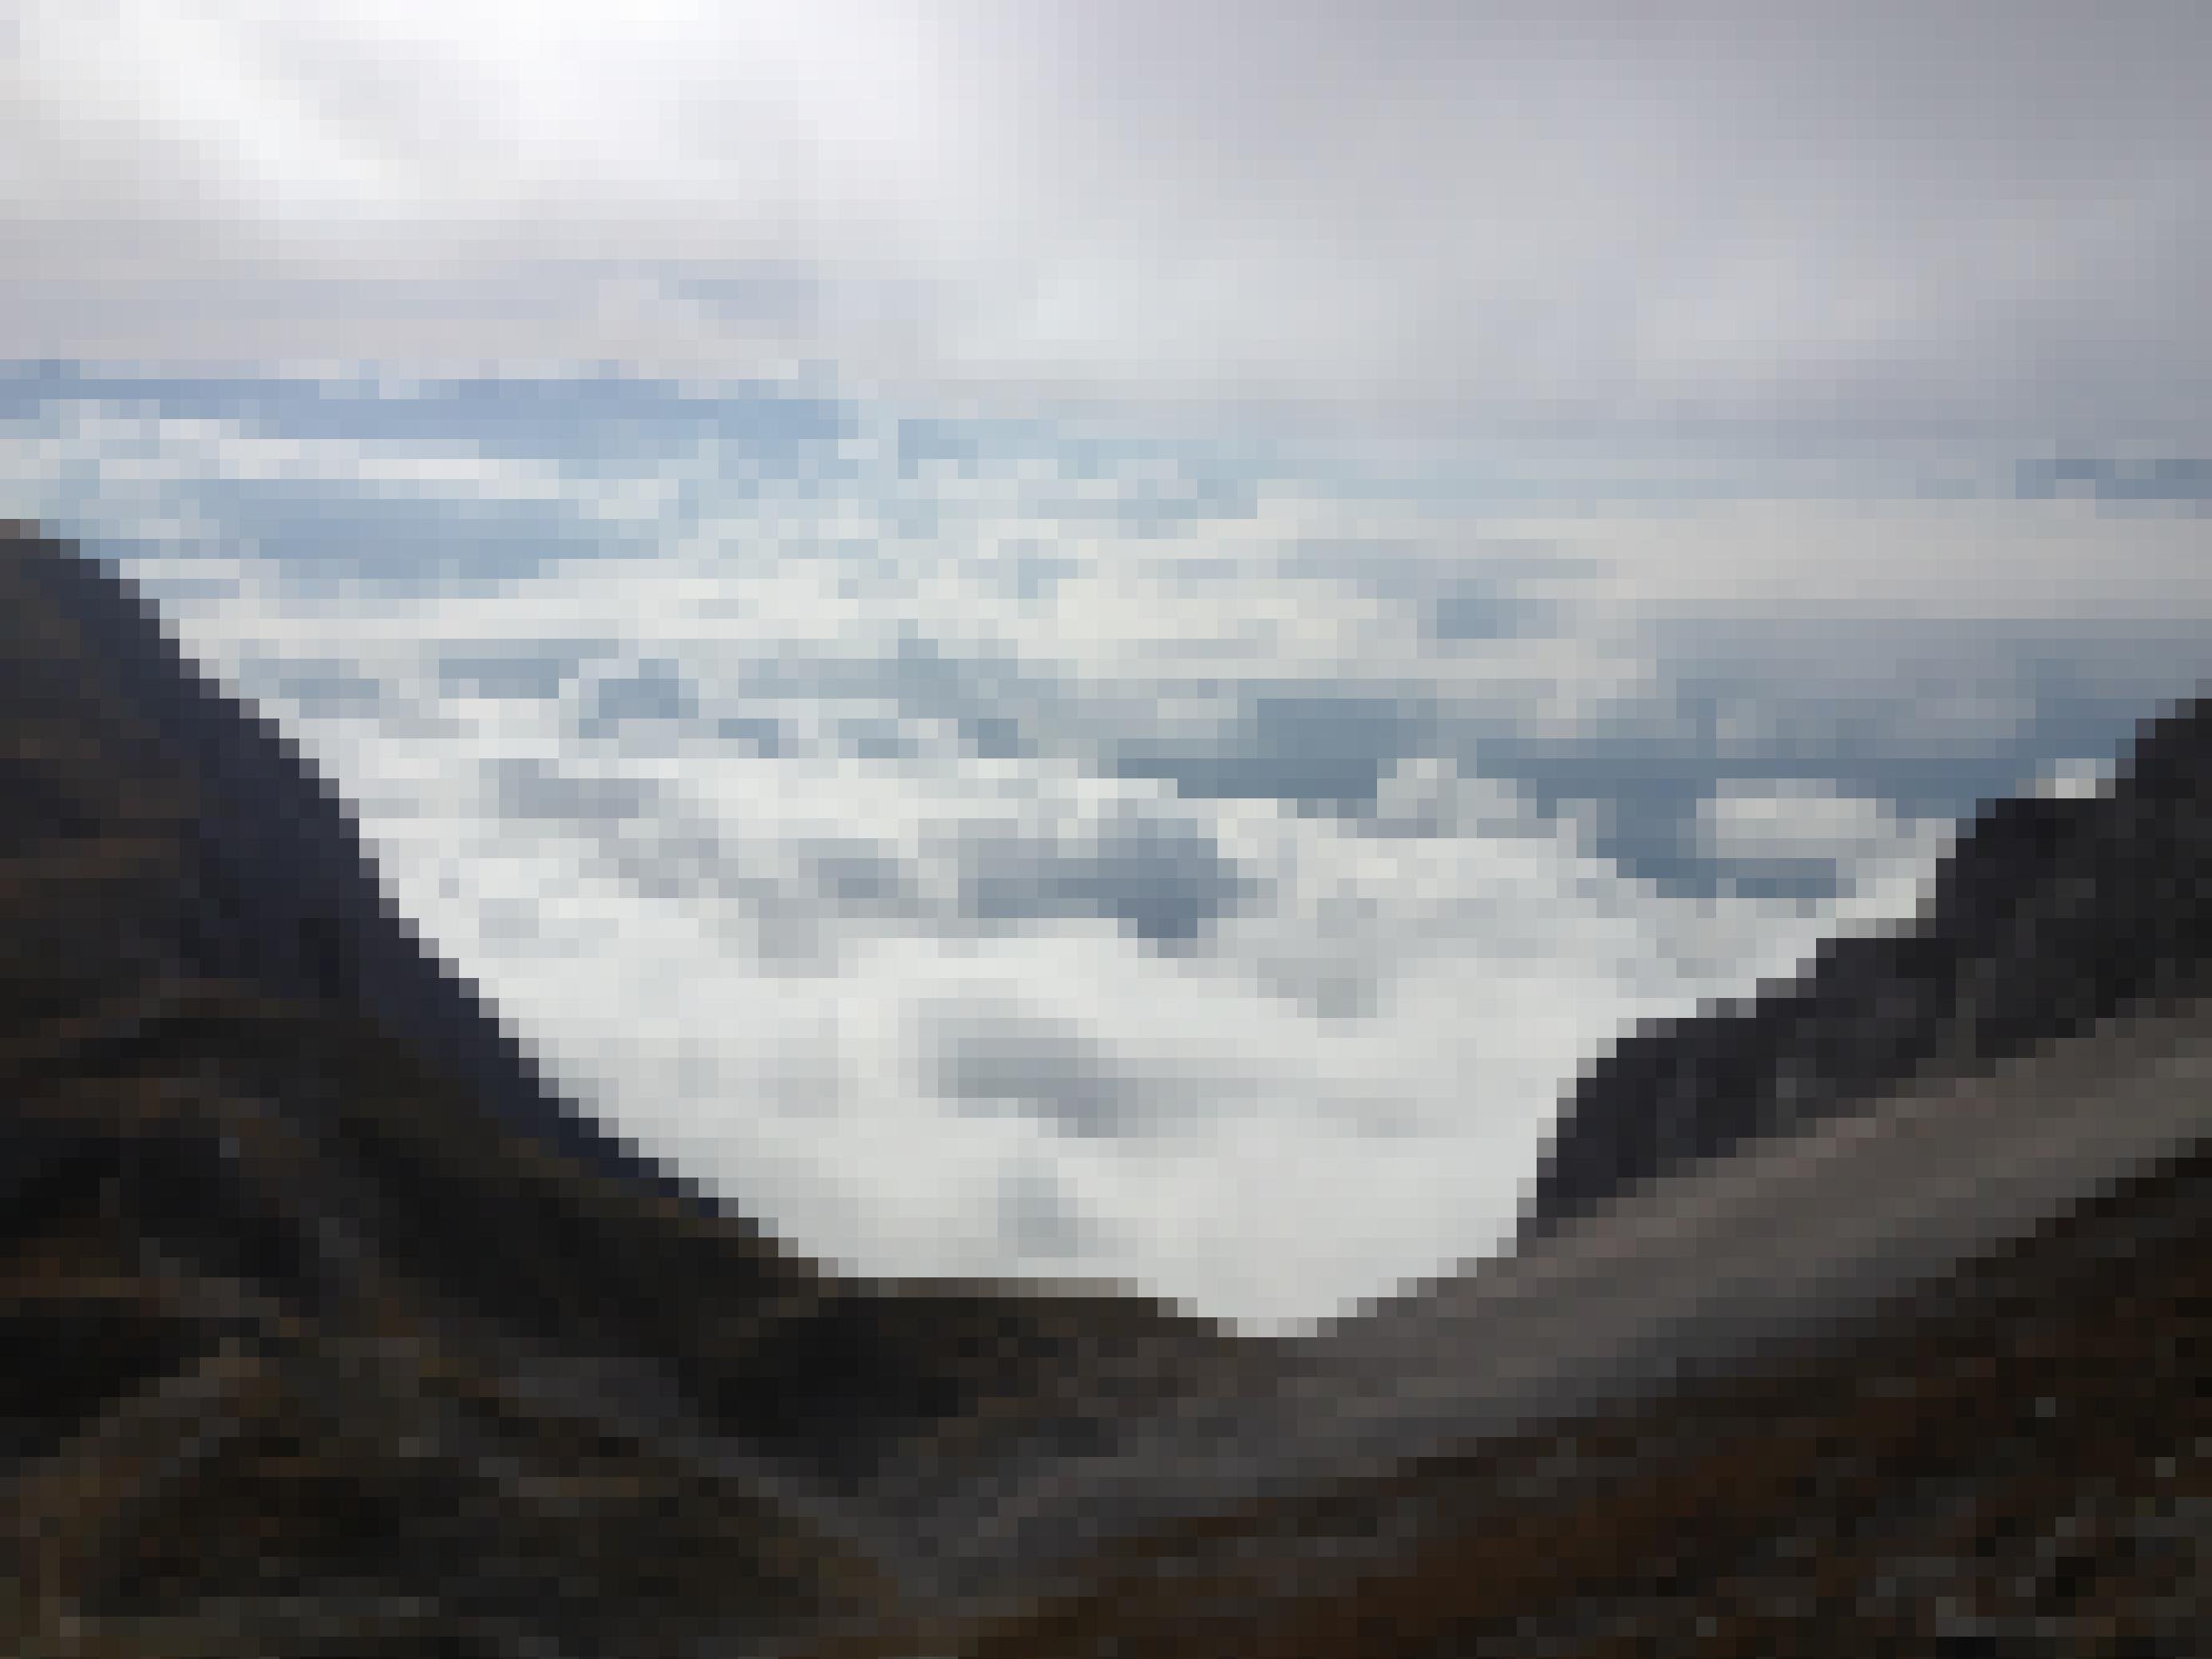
(2017, 1460)
(331, 1331)
(312, 1351)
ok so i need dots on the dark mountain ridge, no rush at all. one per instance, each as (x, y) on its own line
(2050, 916)
(274, 1185)
(281, 892)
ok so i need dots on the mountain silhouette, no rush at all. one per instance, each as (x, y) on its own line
(1870, 1318)
(331, 1327)
(2051, 915)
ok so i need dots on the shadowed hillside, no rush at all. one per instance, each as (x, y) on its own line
(329, 1325)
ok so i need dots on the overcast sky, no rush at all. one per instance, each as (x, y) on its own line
(1997, 213)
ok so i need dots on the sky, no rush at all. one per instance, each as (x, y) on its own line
(1762, 214)
(1107, 641)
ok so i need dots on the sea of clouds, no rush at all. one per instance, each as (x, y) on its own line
(986, 846)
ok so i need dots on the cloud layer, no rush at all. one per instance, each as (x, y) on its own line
(984, 848)
(1878, 215)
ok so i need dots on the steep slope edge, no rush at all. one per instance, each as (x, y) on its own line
(2049, 916)
(330, 1328)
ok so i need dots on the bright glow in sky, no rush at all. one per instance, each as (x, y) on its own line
(1886, 213)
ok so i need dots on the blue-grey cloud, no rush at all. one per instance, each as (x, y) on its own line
(544, 793)
(1160, 880)
(1311, 745)
(1008, 1061)
(534, 670)
(653, 692)
(310, 690)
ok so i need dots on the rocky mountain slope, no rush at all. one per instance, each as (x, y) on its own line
(330, 1327)
(2051, 916)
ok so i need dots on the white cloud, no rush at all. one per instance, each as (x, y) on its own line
(1764, 213)
(701, 805)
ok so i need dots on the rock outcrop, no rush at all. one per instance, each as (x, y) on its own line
(2050, 916)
